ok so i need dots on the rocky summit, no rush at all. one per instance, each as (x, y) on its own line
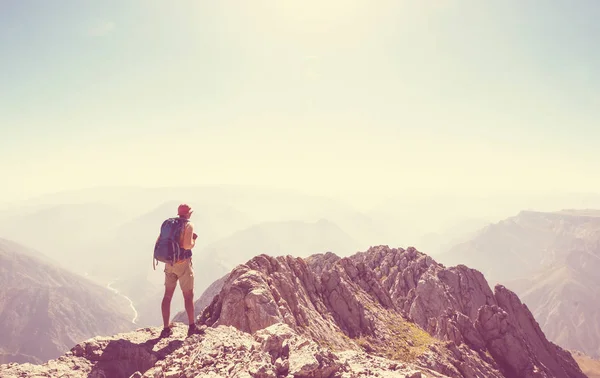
(385, 312)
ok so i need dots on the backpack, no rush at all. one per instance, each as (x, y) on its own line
(167, 248)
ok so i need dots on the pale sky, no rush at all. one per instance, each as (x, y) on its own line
(336, 97)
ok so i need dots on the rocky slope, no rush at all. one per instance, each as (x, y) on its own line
(385, 312)
(45, 310)
(551, 260)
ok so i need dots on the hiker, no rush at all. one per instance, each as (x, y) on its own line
(174, 248)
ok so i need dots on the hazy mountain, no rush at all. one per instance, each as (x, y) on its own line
(552, 261)
(45, 310)
(133, 241)
(459, 231)
(272, 238)
(108, 234)
(410, 218)
(522, 245)
(68, 233)
(262, 204)
(106, 222)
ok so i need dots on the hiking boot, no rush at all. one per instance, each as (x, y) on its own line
(166, 332)
(194, 330)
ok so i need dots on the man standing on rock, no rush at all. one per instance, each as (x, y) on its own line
(181, 270)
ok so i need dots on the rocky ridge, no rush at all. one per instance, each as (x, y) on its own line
(385, 312)
(381, 301)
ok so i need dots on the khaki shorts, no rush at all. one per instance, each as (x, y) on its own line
(181, 272)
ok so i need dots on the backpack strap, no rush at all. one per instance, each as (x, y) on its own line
(182, 222)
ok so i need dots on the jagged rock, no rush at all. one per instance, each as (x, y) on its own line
(356, 301)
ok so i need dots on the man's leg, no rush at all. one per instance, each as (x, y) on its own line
(166, 305)
(170, 285)
(188, 298)
(186, 282)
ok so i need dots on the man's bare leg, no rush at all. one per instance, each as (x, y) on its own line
(166, 305)
(188, 298)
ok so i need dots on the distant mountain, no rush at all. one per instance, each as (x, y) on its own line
(274, 239)
(67, 233)
(122, 223)
(133, 241)
(459, 231)
(45, 310)
(552, 261)
(528, 242)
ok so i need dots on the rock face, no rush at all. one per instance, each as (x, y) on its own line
(380, 313)
(368, 302)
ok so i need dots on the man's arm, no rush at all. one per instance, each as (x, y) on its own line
(188, 236)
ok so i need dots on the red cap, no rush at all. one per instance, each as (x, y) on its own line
(184, 209)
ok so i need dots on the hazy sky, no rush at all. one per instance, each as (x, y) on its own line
(328, 96)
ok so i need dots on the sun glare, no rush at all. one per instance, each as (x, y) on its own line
(313, 16)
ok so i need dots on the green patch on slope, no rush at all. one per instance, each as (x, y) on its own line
(400, 340)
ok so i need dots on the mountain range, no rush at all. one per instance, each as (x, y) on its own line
(385, 312)
(549, 258)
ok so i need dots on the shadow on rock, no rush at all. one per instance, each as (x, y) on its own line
(122, 358)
